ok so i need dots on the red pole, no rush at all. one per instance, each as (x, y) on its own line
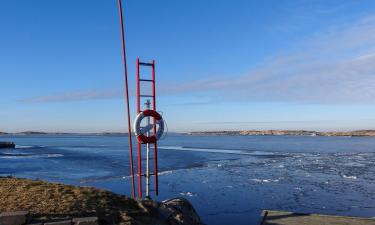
(138, 88)
(155, 144)
(138, 93)
(153, 85)
(127, 97)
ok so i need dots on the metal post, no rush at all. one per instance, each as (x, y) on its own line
(148, 103)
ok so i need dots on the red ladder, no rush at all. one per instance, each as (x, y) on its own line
(153, 103)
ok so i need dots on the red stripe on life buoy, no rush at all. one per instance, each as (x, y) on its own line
(144, 139)
(153, 113)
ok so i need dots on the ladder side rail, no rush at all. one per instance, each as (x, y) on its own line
(139, 144)
(155, 144)
(138, 88)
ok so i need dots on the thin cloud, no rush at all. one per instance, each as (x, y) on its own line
(192, 103)
(336, 66)
(75, 96)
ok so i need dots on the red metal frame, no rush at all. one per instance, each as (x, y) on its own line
(153, 96)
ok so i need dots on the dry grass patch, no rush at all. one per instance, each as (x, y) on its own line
(53, 200)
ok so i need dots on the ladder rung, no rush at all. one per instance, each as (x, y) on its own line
(145, 64)
(146, 80)
(146, 96)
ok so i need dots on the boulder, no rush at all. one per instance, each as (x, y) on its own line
(179, 211)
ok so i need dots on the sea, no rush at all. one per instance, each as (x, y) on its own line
(228, 179)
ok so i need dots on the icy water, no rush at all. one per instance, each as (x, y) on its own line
(229, 179)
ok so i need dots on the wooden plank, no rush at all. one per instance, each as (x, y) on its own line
(271, 217)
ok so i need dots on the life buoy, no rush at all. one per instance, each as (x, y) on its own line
(141, 131)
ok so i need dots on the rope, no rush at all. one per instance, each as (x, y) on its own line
(127, 97)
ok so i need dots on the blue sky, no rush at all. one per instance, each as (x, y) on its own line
(230, 65)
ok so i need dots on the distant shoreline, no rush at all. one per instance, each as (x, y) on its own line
(357, 133)
(36, 133)
(62, 133)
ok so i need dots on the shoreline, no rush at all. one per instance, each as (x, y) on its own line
(357, 133)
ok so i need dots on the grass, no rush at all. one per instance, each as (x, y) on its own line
(52, 200)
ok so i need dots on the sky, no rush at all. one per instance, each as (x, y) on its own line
(220, 64)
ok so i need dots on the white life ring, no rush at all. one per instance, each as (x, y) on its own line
(141, 131)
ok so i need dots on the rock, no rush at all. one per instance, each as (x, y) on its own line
(63, 222)
(14, 218)
(166, 211)
(86, 221)
(179, 211)
(7, 145)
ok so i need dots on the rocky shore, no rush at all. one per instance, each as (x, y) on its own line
(47, 202)
(358, 133)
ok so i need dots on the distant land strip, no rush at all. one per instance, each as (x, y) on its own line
(60, 133)
(357, 133)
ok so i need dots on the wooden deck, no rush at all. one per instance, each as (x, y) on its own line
(271, 217)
